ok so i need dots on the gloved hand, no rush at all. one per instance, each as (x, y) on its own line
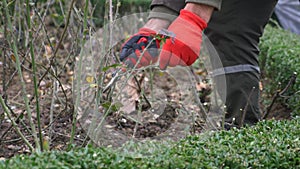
(185, 48)
(134, 47)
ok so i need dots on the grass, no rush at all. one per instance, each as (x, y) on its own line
(269, 144)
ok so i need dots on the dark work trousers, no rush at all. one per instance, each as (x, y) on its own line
(234, 31)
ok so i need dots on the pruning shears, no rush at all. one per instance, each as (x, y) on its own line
(167, 34)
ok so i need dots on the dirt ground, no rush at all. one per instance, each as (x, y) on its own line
(58, 132)
(11, 144)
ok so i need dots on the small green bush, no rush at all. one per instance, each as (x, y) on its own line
(270, 144)
(279, 58)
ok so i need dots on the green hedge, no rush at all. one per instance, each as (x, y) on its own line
(279, 58)
(270, 144)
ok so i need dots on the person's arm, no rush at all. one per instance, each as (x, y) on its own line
(203, 11)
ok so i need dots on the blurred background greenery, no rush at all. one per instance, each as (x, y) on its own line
(126, 7)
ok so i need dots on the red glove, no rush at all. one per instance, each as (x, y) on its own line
(133, 48)
(185, 48)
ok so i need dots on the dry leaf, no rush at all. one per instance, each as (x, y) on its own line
(70, 73)
(48, 51)
(89, 79)
(12, 56)
(66, 86)
(14, 147)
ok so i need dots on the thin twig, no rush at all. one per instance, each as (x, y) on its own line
(51, 111)
(4, 66)
(246, 107)
(280, 94)
(11, 126)
(43, 25)
(140, 106)
(17, 120)
(52, 59)
(15, 124)
(138, 82)
(290, 83)
(13, 140)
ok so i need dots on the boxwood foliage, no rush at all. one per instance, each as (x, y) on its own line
(279, 59)
(270, 144)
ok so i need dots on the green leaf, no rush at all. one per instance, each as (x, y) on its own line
(111, 66)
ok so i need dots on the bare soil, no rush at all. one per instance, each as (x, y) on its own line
(59, 132)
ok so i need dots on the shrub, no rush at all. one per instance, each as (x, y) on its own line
(270, 144)
(280, 58)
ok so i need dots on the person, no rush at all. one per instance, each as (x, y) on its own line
(288, 14)
(233, 27)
